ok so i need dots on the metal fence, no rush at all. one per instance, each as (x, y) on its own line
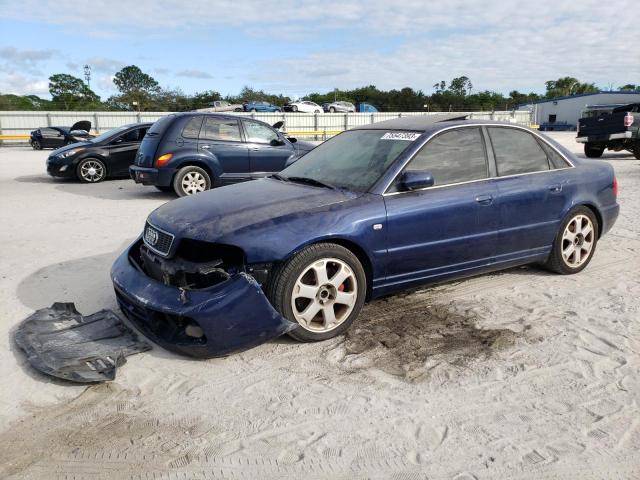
(17, 124)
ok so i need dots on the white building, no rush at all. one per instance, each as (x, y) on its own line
(568, 110)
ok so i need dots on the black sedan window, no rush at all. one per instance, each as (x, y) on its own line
(517, 152)
(452, 157)
(353, 160)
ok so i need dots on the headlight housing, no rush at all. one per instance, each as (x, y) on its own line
(70, 153)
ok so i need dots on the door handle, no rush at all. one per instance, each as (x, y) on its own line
(205, 147)
(555, 188)
(484, 199)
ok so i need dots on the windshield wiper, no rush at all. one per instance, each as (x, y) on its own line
(279, 177)
(310, 181)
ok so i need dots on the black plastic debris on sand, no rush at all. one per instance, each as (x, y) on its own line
(60, 342)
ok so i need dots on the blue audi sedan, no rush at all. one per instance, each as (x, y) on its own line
(372, 211)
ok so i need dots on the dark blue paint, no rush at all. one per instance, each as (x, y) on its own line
(427, 235)
(234, 315)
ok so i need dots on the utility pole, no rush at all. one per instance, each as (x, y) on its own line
(87, 75)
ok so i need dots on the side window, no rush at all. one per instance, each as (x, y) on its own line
(259, 133)
(132, 136)
(554, 157)
(192, 128)
(517, 152)
(452, 157)
(220, 129)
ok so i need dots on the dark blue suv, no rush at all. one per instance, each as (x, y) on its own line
(193, 152)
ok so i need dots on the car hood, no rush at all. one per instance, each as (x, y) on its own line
(303, 146)
(248, 206)
(81, 125)
(71, 146)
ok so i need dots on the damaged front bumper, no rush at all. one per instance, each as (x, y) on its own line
(229, 316)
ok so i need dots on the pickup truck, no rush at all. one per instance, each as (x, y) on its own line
(222, 106)
(612, 127)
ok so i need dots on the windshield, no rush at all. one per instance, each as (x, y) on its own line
(354, 160)
(108, 133)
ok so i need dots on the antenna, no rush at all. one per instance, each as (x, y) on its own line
(87, 75)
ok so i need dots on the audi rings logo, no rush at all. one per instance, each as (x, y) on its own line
(151, 236)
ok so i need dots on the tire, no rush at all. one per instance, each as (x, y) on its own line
(332, 110)
(593, 151)
(316, 111)
(278, 110)
(91, 170)
(294, 108)
(164, 189)
(191, 180)
(636, 151)
(336, 262)
(560, 260)
(253, 110)
(36, 145)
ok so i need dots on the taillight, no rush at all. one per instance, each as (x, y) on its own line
(615, 187)
(162, 160)
(628, 120)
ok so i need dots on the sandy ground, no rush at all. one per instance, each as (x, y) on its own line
(520, 375)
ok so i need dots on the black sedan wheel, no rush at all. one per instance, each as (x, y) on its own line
(575, 242)
(35, 144)
(322, 288)
(191, 180)
(91, 170)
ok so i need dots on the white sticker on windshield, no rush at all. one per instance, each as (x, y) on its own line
(407, 136)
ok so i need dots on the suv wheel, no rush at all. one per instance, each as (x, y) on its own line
(593, 151)
(322, 288)
(191, 180)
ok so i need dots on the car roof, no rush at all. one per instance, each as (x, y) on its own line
(217, 115)
(429, 123)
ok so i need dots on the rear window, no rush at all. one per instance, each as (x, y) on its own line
(517, 152)
(192, 128)
(556, 160)
(160, 125)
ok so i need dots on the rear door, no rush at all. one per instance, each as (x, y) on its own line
(263, 156)
(221, 141)
(533, 189)
(448, 228)
(52, 138)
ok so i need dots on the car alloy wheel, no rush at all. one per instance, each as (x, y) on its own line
(324, 295)
(36, 145)
(294, 108)
(91, 171)
(578, 239)
(193, 182)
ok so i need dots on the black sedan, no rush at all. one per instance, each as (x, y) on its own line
(107, 155)
(56, 137)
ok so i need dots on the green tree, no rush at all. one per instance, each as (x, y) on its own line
(566, 86)
(71, 93)
(136, 87)
(630, 87)
(460, 86)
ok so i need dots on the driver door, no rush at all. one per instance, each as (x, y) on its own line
(122, 151)
(451, 227)
(265, 157)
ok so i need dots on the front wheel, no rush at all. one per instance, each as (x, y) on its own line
(294, 108)
(593, 151)
(91, 170)
(191, 180)
(636, 151)
(332, 110)
(575, 242)
(322, 288)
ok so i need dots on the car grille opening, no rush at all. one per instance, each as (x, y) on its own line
(172, 329)
(196, 265)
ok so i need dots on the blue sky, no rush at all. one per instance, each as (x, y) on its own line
(297, 47)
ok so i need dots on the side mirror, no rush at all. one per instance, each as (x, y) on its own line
(278, 125)
(416, 179)
(292, 139)
(276, 142)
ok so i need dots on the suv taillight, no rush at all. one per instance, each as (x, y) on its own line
(628, 120)
(615, 187)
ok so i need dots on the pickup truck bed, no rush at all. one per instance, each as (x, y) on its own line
(616, 129)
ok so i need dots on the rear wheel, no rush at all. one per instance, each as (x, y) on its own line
(191, 180)
(36, 145)
(294, 108)
(593, 151)
(575, 242)
(91, 170)
(322, 288)
(332, 110)
(636, 151)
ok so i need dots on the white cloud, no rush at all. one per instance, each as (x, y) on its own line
(191, 73)
(20, 84)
